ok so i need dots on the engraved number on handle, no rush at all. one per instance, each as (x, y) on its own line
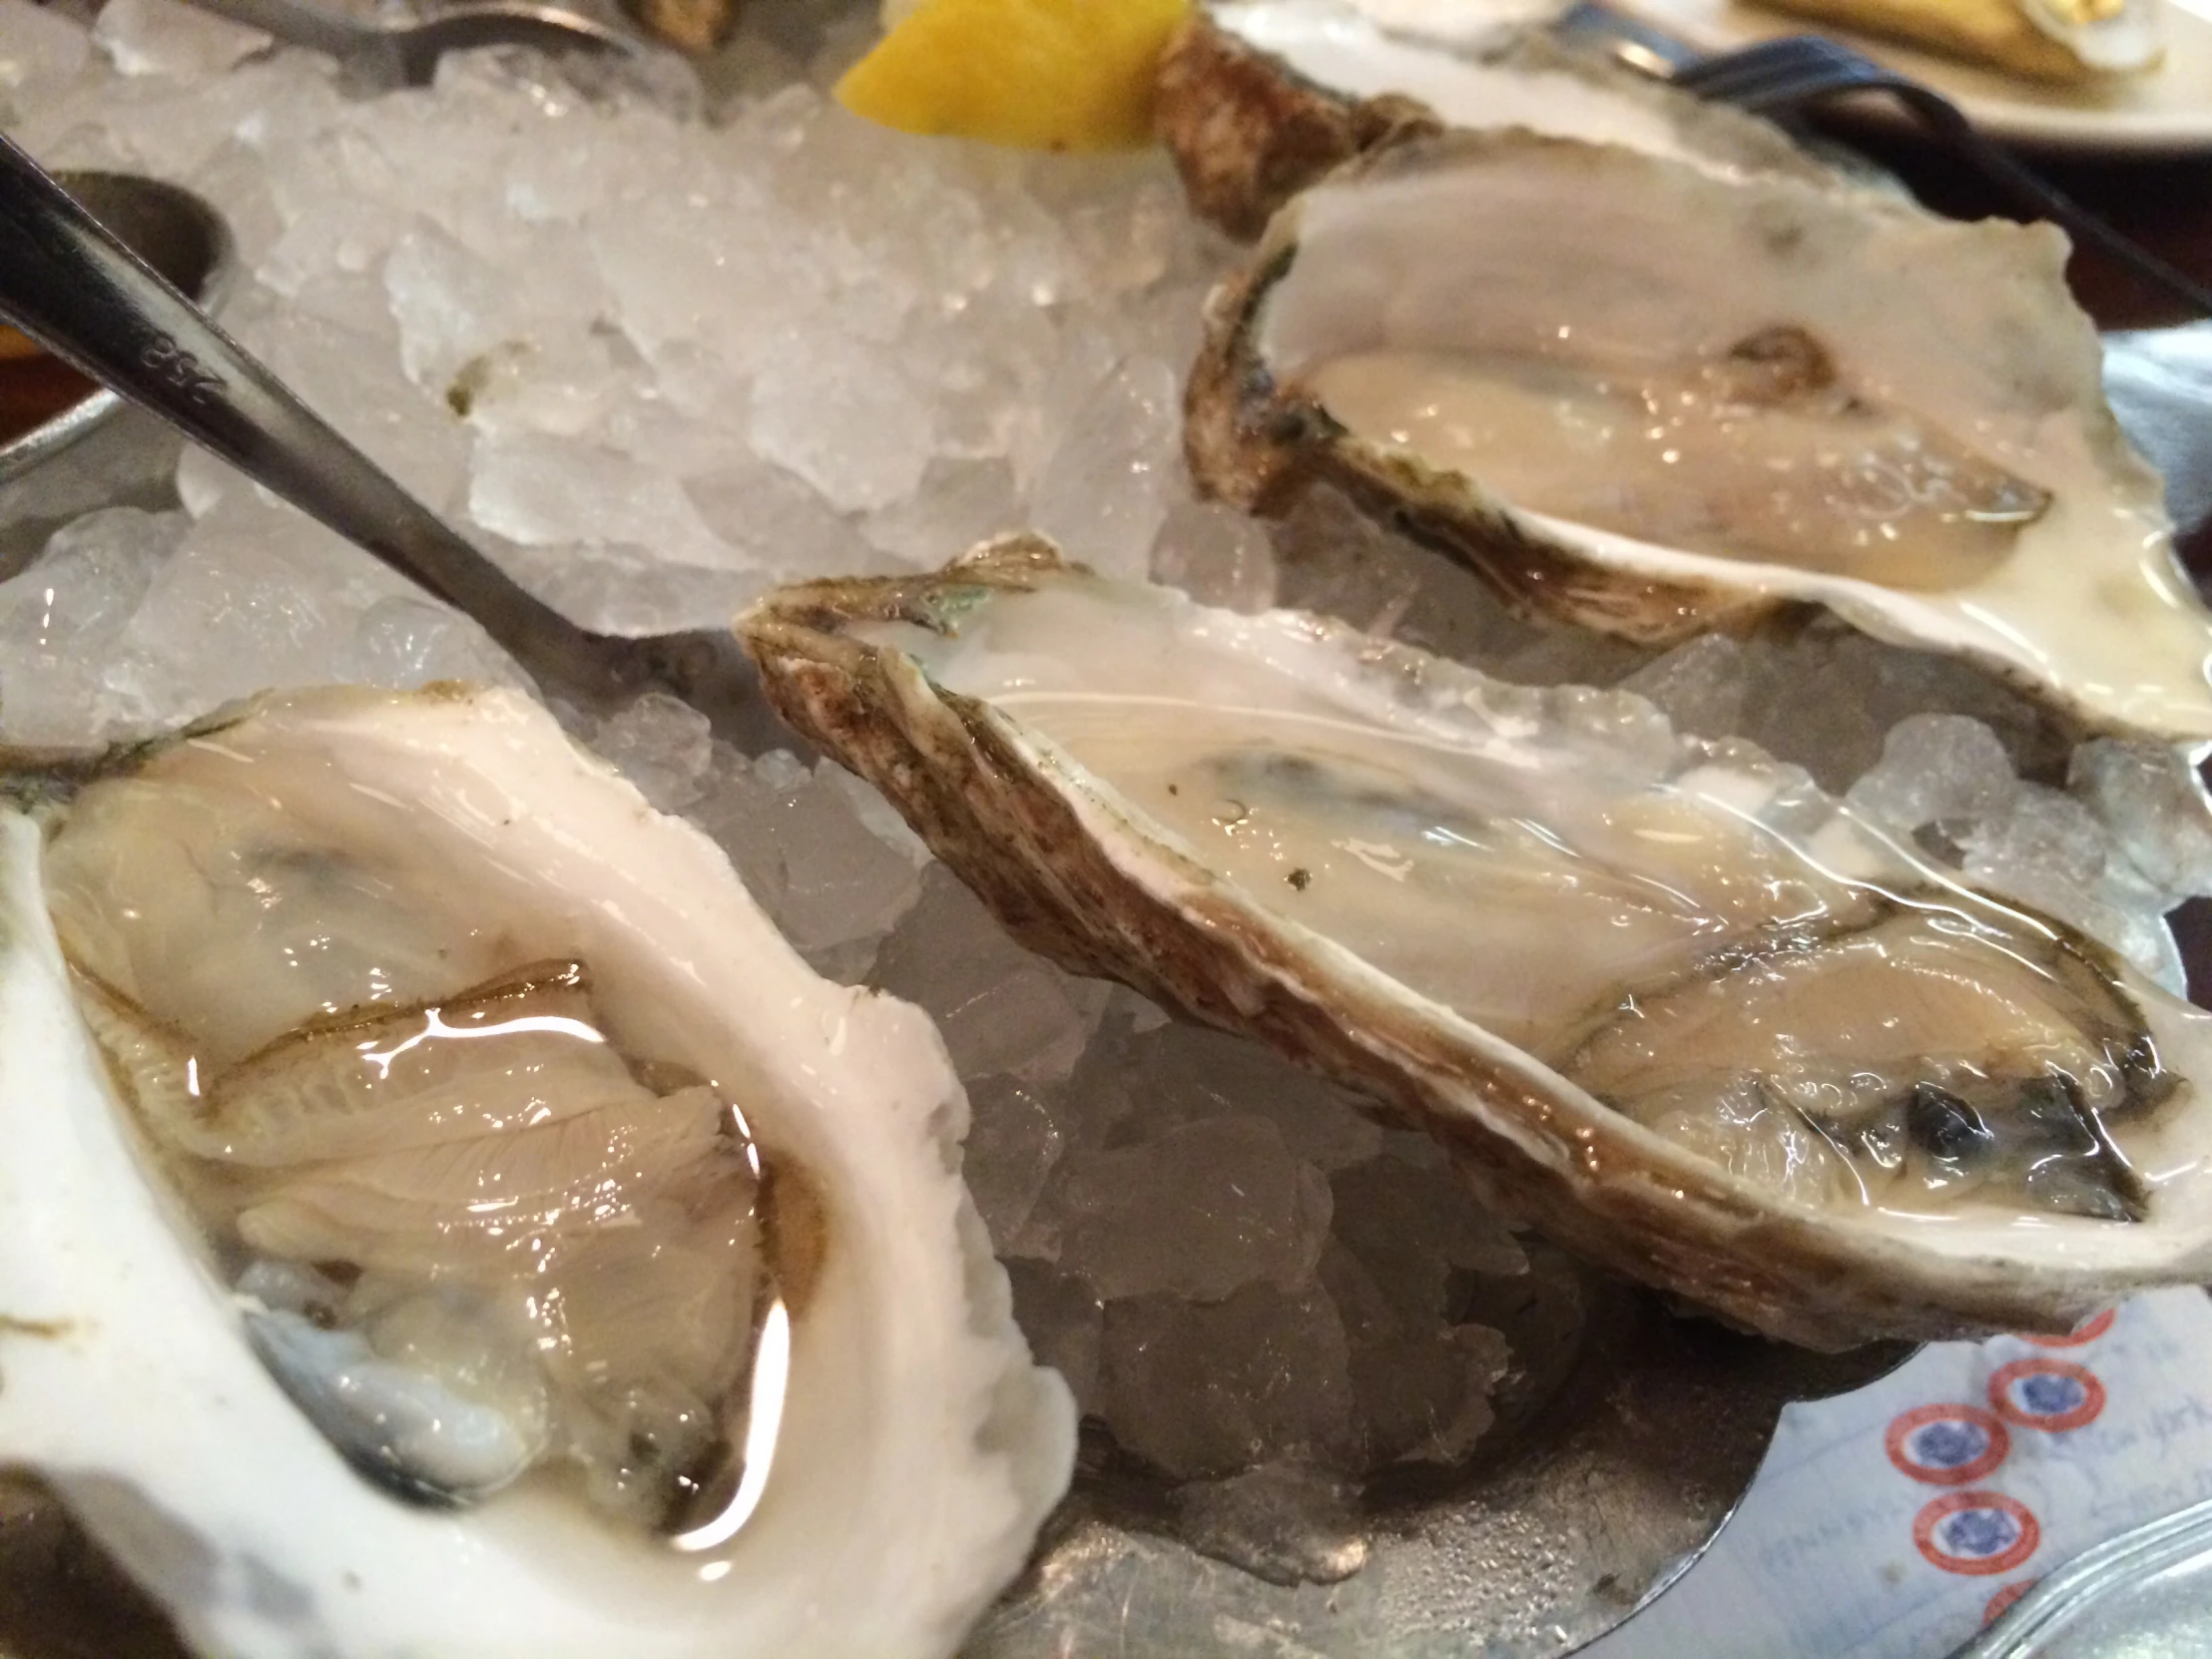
(182, 371)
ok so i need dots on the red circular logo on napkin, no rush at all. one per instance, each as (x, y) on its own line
(1946, 1446)
(1977, 1533)
(2087, 1333)
(2005, 1599)
(2046, 1393)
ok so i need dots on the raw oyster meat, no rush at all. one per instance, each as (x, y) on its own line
(1662, 997)
(443, 1216)
(1655, 400)
(1259, 99)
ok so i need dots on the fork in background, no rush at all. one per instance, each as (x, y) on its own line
(1777, 77)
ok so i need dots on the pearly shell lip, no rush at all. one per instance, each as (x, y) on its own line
(1257, 100)
(932, 1447)
(1081, 875)
(2088, 615)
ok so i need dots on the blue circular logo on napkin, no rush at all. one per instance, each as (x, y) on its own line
(2051, 1395)
(1946, 1446)
(1977, 1533)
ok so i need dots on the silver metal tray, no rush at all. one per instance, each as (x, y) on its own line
(1618, 1455)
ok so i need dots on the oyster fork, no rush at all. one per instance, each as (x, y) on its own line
(1776, 77)
(76, 289)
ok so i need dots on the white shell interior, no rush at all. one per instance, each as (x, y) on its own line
(919, 1449)
(1435, 53)
(1519, 246)
(1082, 674)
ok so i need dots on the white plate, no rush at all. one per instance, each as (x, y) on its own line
(2165, 112)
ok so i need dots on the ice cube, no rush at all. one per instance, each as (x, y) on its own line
(1945, 770)
(1827, 696)
(450, 305)
(1198, 1211)
(547, 491)
(958, 504)
(1124, 218)
(1217, 555)
(1012, 1145)
(404, 641)
(61, 617)
(2154, 802)
(1410, 1226)
(348, 372)
(1105, 490)
(1213, 1388)
(257, 597)
(739, 804)
(626, 590)
(831, 885)
(162, 37)
(1001, 1009)
(1176, 1074)
(37, 45)
(661, 744)
(828, 407)
(1425, 1398)
(2051, 851)
(2045, 843)
(777, 520)
(1700, 685)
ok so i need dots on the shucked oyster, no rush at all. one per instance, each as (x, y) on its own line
(1663, 998)
(1655, 400)
(442, 1216)
(1259, 99)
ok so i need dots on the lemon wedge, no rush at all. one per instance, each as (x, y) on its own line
(1032, 74)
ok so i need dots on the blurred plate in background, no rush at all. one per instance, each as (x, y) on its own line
(2165, 112)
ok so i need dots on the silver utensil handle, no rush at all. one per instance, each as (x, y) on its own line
(70, 285)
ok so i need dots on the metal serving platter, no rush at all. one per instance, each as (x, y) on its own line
(1618, 1455)
(1625, 1439)
(1625, 1434)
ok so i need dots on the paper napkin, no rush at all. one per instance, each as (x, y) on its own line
(1890, 1524)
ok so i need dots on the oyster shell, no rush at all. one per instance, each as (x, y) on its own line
(1656, 400)
(507, 1157)
(1662, 997)
(1260, 98)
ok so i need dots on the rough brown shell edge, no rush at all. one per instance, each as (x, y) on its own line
(1527, 1142)
(1248, 134)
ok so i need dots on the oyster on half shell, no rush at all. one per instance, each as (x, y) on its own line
(1261, 98)
(1662, 997)
(1655, 400)
(442, 1216)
